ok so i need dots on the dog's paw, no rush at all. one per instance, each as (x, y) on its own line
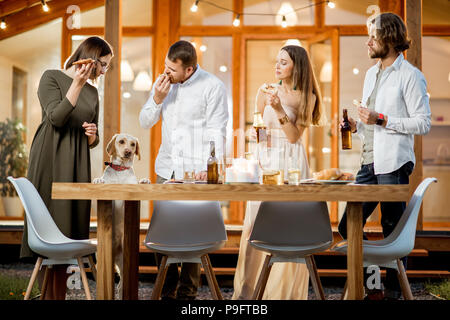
(144, 181)
(98, 180)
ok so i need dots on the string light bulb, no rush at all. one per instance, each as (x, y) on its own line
(45, 6)
(3, 24)
(284, 22)
(194, 7)
(237, 21)
(331, 5)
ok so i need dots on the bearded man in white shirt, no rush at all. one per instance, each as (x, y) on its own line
(192, 104)
(394, 108)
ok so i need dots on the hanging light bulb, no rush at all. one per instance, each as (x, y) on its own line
(45, 6)
(194, 7)
(3, 24)
(142, 82)
(126, 72)
(331, 5)
(284, 22)
(203, 48)
(237, 21)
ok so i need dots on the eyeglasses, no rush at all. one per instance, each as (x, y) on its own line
(104, 65)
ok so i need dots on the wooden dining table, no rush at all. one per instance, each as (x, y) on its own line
(104, 194)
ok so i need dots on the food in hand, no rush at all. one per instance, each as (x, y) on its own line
(268, 88)
(84, 61)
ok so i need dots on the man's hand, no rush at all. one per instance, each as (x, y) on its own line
(367, 116)
(162, 88)
(201, 176)
(351, 122)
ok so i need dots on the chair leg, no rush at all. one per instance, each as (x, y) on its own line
(37, 266)
(45, 282)
(92, 266)
(403, 279)
(317, 285)
(211, 277)
(344, 292)
(263, 277)
(156, 294)
(84, 279)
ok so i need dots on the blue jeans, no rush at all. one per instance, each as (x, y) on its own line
(391, 212)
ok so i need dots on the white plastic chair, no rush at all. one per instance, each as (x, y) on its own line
(186, 231)
(46, 240)
(291, 232)
(388, 251)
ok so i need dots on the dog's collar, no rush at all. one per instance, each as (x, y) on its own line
(116, 167)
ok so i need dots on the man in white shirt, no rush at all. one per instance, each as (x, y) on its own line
(192, 104)
(394, 108)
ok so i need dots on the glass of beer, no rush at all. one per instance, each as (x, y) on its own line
(188, 171)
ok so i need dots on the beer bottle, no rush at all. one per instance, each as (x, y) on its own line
(213, 168)
(259, 126)
(346, 132)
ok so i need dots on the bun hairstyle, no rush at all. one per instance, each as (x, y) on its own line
(93, 48)
(391, 31)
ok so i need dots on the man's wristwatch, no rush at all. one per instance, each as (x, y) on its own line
(380, 119)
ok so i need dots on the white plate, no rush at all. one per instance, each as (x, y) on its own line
(335, 181)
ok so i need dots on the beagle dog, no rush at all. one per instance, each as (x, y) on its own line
(121, 149)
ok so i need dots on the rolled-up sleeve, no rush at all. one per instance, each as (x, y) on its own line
(150, 112)
(57, 108)
(217, 117)
(418, 106)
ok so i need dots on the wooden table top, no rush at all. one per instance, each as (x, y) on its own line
(234, 192)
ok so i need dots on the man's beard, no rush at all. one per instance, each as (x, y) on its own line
(380, 53)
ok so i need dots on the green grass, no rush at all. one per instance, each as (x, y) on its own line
(14, 288)
(440, 289)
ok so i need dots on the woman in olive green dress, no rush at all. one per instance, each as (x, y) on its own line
(60, 148)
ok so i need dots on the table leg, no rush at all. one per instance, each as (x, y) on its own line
(131, 250)
(355, 277)
(105, 253)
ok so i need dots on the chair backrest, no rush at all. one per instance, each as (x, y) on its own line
(292, 223)
(404, 233)
(40, 224)
(184, 223)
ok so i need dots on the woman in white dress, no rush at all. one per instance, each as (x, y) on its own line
(294, 105)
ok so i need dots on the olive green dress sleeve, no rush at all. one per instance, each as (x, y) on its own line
(56, 107)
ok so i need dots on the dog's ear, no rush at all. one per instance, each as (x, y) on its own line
(138, 152)
(111, 147)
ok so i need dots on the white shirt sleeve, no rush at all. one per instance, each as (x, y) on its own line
(418, 106)
(150, 112)
(217, 117)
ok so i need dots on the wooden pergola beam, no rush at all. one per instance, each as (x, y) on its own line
(33, 17)
(8, 7)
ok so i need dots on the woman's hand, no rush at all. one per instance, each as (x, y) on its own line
(273, 100)
(90, 131)
(83, 73)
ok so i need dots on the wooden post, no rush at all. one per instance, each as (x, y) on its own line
(131, 250)
(113, 34)
(66, 41)
(413, 13)
(105, 252)
(355, 275)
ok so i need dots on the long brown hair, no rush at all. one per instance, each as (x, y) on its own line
(303, 79)
(391, 31)
(92, 47)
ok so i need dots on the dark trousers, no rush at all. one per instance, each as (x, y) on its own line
(391, 212)
(187, 281)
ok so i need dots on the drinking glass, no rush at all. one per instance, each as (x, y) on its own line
(188, 171)
(293, 164)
